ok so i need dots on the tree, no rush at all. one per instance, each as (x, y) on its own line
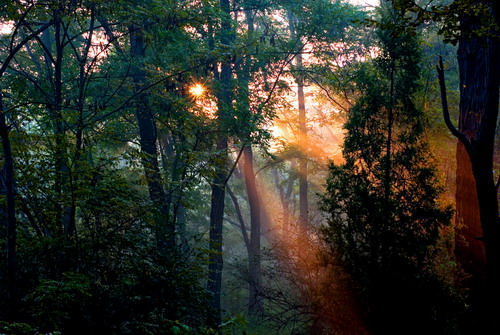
(477, 191)
(20, 16)
(68, 96)
(383, 202)
(473, 24)
(164, 230)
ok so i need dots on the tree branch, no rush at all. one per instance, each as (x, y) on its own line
(446, 114)
(111, 36)
(242, 224)
(18, 47)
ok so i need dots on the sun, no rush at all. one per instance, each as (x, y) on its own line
(197, 90)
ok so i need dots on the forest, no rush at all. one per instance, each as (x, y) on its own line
(249, 167)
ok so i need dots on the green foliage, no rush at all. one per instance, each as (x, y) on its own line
(16, 328)
(7, 328)
(325, 21)
(451, 16)
(53, 301)
(385, 213)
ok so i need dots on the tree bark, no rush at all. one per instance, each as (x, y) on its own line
(469, 249)
(62, 181)
(285, 195)
(255, 304)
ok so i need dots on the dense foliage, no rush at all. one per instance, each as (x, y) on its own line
(161, 164)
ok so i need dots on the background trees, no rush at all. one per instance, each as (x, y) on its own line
(162, 162)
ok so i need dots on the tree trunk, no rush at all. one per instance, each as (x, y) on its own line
(216, 241)
(469, 250)
(9, 186)
(303, 186)
(285, 194)
(479, 94)
(303, 197)
(61, 163)
(255, 305)
(164, 230)
(224, 105)
(11, 227)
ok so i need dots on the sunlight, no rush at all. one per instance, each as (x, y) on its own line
(319, 279)
(203, 102)
(6, 27)
(197, 90)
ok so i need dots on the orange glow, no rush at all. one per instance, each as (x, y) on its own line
(197, 90)
(320, 280)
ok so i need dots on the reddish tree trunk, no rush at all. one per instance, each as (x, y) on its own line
(469, 250)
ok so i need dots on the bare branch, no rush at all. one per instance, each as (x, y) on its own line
(446, 113)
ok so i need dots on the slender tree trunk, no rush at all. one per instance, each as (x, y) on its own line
(390, 121)
(54, 62)
(70, 211)
(255, 304)
(384, 241)
(61, 164)
(11, 226)
(303, 172)
(224, 105)
(285, 194)
(303, 185)
(242, 225)
(175, 190)
(164, 230)
(216, 242)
